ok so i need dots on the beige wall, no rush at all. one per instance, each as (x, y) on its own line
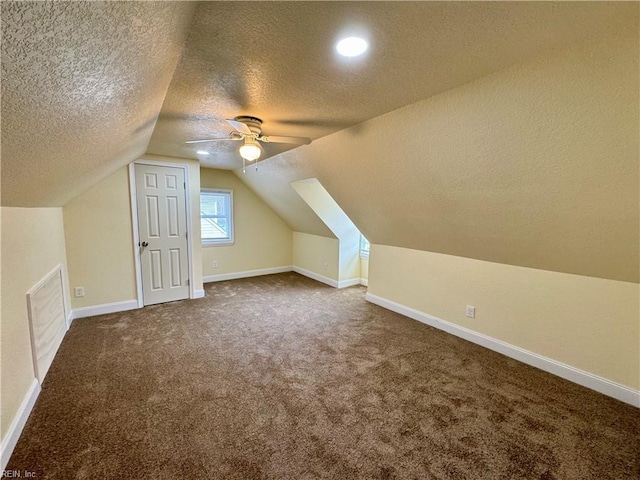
(321, 202)
(99, 239)
(589, 323)
(261, 238)
(32, 245)
(283, 199)
(526, 184)
(312, 252)
(536, 165)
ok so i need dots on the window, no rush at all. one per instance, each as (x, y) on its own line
(364, 247)
(216, 216)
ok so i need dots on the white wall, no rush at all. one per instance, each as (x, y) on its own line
(32, 246)
(364, 270)
(262, 240)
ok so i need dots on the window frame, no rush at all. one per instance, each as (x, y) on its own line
(219, 242)
(364, 253)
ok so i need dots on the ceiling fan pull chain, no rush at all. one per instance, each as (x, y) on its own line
(244, 165)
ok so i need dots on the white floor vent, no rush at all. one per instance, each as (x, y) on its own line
(47, 320)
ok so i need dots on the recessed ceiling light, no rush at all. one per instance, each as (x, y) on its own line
(352, 46)
(202, 152)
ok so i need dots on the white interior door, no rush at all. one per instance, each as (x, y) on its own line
(162, 227)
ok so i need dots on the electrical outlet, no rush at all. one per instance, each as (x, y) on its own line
(214, 264)
(78, 292)
(471, 311)
(325, 266)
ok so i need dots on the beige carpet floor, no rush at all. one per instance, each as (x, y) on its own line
(280, 377)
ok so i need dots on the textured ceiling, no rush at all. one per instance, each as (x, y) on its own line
(536, 165)
(83, 82)
(517, 153)
(275, 60)
(82, 85)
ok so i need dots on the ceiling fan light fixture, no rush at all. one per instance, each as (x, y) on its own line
(352, 46)
(250, 151)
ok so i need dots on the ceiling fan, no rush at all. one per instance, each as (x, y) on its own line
(249, 130)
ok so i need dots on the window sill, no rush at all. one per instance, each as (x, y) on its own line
(225, 243)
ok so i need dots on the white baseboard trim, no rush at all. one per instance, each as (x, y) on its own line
(364, 281)
(315, 276)
(105, 308)
(17, 425)
(69, 319)
(581, 377)
(246, 274)
(198, 294)
(349, 282)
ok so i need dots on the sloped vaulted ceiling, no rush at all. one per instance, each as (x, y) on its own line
(82, 85)
(536, 166)
(83, 82)
(517, 143)
(275, 60)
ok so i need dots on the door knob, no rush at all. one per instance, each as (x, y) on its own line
(144, 244)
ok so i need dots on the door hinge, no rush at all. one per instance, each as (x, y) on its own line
(184, 185)
(187, 282)
(186, 234)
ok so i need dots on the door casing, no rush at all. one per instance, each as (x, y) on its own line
(136, 232)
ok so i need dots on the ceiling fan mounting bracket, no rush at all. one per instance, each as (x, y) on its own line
(254, 123)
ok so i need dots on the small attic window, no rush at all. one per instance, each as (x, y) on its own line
(364, 247)
(216, 216)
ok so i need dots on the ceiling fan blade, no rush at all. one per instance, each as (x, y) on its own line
(214, 140)
(239, 126)
(278, 139)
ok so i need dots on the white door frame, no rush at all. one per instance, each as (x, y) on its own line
(134, 222)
